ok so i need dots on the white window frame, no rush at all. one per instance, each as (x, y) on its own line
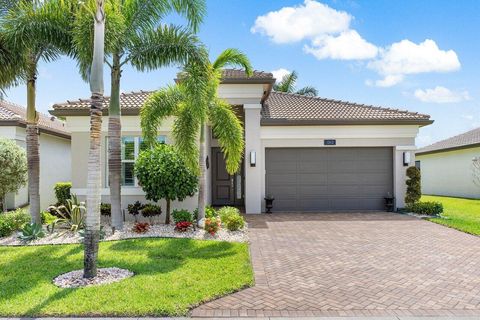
(136, 152)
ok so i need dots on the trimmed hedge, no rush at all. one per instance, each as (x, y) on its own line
(62, 192)
(430, 208)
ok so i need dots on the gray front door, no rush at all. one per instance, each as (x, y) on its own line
(227, 190)
(329, 179)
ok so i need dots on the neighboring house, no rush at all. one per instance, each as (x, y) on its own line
(55, 160)
(447, 166)
(311, 154)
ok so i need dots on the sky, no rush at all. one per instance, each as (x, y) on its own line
(421, 56)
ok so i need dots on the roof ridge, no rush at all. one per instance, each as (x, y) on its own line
(362, 105)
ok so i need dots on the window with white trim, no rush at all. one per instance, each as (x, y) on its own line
(131, 147)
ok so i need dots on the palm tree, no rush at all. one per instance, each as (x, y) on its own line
(195, 103)
(94, 182)
(287, 84)
(135, 36)
(30, 32)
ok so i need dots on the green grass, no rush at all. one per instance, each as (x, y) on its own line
(461, 214)
(171, 276)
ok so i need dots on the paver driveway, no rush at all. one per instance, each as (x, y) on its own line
(355, 264)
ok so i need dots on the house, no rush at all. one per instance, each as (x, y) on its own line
(447, 166)
(310, 154)
(54, 141)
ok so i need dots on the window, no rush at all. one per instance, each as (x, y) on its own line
(131, 147)
(417, 164)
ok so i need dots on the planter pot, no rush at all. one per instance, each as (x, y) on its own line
(269, 204)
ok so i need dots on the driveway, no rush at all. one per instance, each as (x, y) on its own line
(355, 264)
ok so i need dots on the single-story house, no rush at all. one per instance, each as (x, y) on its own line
(447, 166)
(54, 141)
(309, 153)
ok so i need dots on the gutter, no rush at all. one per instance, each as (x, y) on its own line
(287, 122)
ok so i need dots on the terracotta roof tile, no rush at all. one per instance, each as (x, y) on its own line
(12, 112)
(293, 107)
(466, 139)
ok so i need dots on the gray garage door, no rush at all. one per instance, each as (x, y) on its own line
(329, 179)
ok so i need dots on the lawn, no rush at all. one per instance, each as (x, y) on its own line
(171, 276)
(462, 214)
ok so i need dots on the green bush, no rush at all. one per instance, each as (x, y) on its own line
(414, 192)
(231, 218)
(428, 208)
(182, 216)
(48, 218)
(210, 212)
(151, 211)
(106, 209)
(13, 161)
(13, 221)
(62, 192)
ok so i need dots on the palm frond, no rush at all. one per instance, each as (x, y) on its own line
(164, 46)
(235, 58)
(193, 10)
(185, 133)
(12, 66)
(159, 105)
(308, 91)
(288, 83)
(228, 129)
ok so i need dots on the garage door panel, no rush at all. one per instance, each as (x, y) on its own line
(329, 179)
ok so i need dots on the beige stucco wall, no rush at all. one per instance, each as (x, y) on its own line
(449, 173)
(55, 166)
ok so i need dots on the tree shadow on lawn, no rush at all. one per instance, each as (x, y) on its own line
(25, 272)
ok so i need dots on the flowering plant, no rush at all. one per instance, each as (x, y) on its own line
(212, 225)
(182, 226)
(141, 227)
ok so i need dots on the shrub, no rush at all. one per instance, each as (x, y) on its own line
(231, 218)
(134, 209)
(48, 218)
(141, 227)
(31, 231)
(13, 221)
(414, 192)
(428, 208)
(183, 226)
(106, 209)
(212, 225)
(163, 174)
(62, 192)
(13, 175)
(182, 216)
(210, 212)
(151, 211)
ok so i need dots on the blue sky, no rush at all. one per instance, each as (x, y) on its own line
(423, 56)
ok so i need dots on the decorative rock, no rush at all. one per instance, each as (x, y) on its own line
(75, 279)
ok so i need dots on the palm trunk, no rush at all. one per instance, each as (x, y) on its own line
(33, 154)
(201, 180)
(114, 146)
(92, 225)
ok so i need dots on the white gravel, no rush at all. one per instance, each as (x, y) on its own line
(155, 231)
(75, 279)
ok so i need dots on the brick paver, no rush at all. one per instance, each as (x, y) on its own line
(355, 264)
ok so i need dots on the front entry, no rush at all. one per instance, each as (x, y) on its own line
(227, 190)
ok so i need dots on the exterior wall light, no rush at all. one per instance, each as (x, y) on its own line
(253, 159)
(406, 158)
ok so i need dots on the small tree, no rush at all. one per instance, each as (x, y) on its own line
(414, 192)
(13, 175)
(163, 174)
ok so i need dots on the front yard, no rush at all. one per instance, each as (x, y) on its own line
(171, 276)
(461, 214)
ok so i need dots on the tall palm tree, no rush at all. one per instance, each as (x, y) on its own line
(94, 182)
(195, 103)
(135, 36)
(30, 32)
(287, 84)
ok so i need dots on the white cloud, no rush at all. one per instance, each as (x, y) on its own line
(349, 45)
(441, 95)
(406, 57)
(306, 21)
(467, 117)
(280, 73)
